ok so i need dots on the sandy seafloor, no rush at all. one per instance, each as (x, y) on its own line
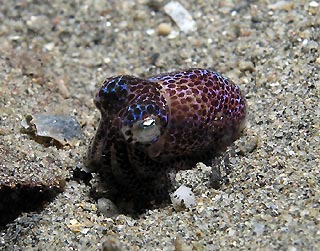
(54, 56)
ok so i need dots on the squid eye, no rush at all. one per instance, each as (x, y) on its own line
(146, 131)
(148, 123)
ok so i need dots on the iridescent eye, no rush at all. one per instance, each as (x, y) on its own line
(148, 123)
(146, 131)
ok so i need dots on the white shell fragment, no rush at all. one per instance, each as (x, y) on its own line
(183, 198)
(180, 16)
(314, 4)
(62, 128)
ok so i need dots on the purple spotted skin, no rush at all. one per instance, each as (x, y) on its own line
(152, 127)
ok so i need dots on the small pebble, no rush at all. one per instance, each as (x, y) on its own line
(180, 245)
(248, 144)
(111, 243)
(37, 23)
(155, 5)
(49, 46)
(107, 207)
(246, 66)
(305, 42)
(63, 88)
(258, 228)
(164, 29)
(314, 4)
(215, 177)
(183, 198)
(75, 226)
